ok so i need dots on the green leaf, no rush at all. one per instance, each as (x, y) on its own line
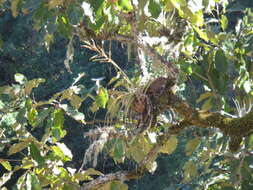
(75, 114)
(102, 97)
(6, 165)
(250, 141)
(21, 182)
(21, 79)
(221, 62)
(41, 116)
(119, 150)
(224, 22)
(48, 40)
(168, 6)
(94, 107)
(32, 84)
(207, 104)
(35, 153)
(4, 178)
(142, 4)
(204, 96)
(202, 34)
(192, 145)
(14, 7)
(170, 146)
(118, 185)
(31, 116)
(76, 101)
(58, 151)
(65, 150)
(97, 6)
(125, 5)
(17, 147)
(58, 119)
(92, 171)
(154, 8)
(26, 164)
(32, 182)
(190, 170)
(139, 149)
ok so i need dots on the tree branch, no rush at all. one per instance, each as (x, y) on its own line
(121, 176)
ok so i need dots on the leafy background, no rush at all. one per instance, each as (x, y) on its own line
(23, 50)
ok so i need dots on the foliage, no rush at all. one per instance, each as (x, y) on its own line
(174, 41)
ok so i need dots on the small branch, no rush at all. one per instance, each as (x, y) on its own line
(239, 169)
(200, 76)
(97, 121)
(103, 57)
(10, 160)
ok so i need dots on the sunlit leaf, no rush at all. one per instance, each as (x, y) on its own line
(94, 107)
(36, 155)
(58, 152)
(48, 38)
(75, 114)
(102, 97)
(170, 146)
(151, 166)
(31, 116)
(69, 55)
(21, 79)
(17, 147)
(92, 171)
(204, 96)
(202, 34)
(154, 8)
(168, 6)
(65, 150)
(32, 182)
(192, 145)
(75, 101)
(207, 104)
(139, 149)
(224, 22)
(32, 84)
(14, 7)
(4, 178)
(21, 182)
(125, 4)
(190, 170)
(26, 164)
(6, 164)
